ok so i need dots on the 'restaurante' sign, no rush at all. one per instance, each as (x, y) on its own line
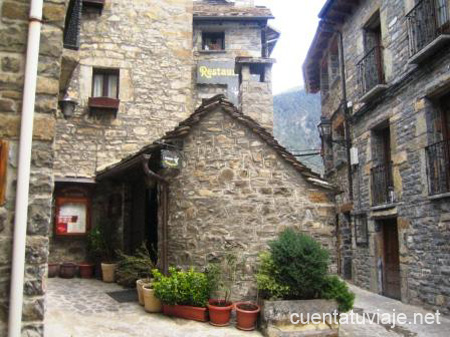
(219, 72)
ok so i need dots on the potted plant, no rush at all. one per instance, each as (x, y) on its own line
(183, 294)
(151, 303)
(86, 270)
(222, 277)
(67, 270)
(293, 278)
(53, 270)
(246, 315)
(101, 248)
(135, 270)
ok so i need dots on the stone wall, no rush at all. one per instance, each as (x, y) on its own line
(13, 44)
(234, 192)
(151, 43)
(410, 110)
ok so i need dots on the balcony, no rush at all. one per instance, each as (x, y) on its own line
(371, 79)
(382, 185)
(438, 167)
(428, 29)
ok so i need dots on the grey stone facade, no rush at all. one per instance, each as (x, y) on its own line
(13, 43)
(409, 110)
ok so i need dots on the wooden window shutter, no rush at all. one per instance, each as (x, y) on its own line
(3, 167)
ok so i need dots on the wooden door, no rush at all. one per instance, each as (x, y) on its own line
(391, 260)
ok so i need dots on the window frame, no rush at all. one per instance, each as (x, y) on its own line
(361, 238)
(106, 73)
(220, 36)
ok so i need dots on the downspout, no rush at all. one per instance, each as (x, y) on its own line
(23, 175)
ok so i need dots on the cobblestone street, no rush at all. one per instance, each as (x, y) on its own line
(81, 308)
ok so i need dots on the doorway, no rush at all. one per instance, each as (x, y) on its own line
(391, 259)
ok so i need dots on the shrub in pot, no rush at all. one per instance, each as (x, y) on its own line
(101, 248)
(222, 277)
(295, 271)
(183, 293)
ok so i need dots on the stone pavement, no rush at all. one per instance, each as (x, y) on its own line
(81, 308)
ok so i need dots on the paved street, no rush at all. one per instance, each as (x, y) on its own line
(81, 308)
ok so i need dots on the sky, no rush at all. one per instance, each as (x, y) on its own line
(297, 21)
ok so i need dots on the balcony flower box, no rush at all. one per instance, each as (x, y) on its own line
(187, 312)
(103, 103)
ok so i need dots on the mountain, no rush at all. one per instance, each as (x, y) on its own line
(296, 116)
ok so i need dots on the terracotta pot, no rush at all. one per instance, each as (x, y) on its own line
(151, 302)
(246, 315)
(109, 272)
(139, 284)
(219, 312)
(53, 270)
(188, 312)
(86, 270)
(67, 270)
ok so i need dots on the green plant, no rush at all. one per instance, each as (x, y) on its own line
(222, 277)
(130, 268)
(301, 262)
(336, 289)
(102, 241)
(182, 287)
(267, 279)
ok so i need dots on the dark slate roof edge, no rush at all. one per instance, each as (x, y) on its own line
(209, 105)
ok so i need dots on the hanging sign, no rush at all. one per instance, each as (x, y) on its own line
(170, 159)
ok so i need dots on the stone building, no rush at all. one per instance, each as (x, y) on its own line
(382, 68)
(115, 76)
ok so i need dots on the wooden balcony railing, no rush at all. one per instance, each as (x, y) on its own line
(382, 185)
(438, 167)
(426, 21)
(72, 25)
(370, 70)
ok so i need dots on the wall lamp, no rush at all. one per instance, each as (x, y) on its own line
(68, 105)
(325, 132)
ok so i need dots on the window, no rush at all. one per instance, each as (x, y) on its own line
(361, 230)
(105, 83)
(257, 72)
(3, 166)
(72, 25)
(324, 78)
(333, 61)
(213, 41)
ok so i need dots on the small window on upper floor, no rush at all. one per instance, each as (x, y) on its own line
(213, 41)
(3, 166)
(333, 61)
(324, 78)
(105, 83)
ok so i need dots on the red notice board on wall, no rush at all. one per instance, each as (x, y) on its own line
(72, 216)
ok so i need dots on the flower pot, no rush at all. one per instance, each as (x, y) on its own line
(86, 270)
(139, 284)
(67, 270)
(187, 312)
(152, 304)
(53, 270)
(246, 315)
(109, 272)
(219, 312)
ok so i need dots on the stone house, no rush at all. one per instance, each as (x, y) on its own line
(382, 70)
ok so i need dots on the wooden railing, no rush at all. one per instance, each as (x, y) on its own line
(426, 21)
(370, 70)
(382, 185)
(438, 167)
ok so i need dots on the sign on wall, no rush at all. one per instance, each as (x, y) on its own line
(219, 72)
(170, 159)
(72, 216)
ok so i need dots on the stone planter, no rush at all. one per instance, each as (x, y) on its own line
(276, 318)
(109, 272)
(187, 312)
(53, 270)
(139, 285)
(151, 302)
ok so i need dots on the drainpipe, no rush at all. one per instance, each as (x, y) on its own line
(23, 175)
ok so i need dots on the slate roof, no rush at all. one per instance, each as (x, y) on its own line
(208, 106)
(204, 10)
